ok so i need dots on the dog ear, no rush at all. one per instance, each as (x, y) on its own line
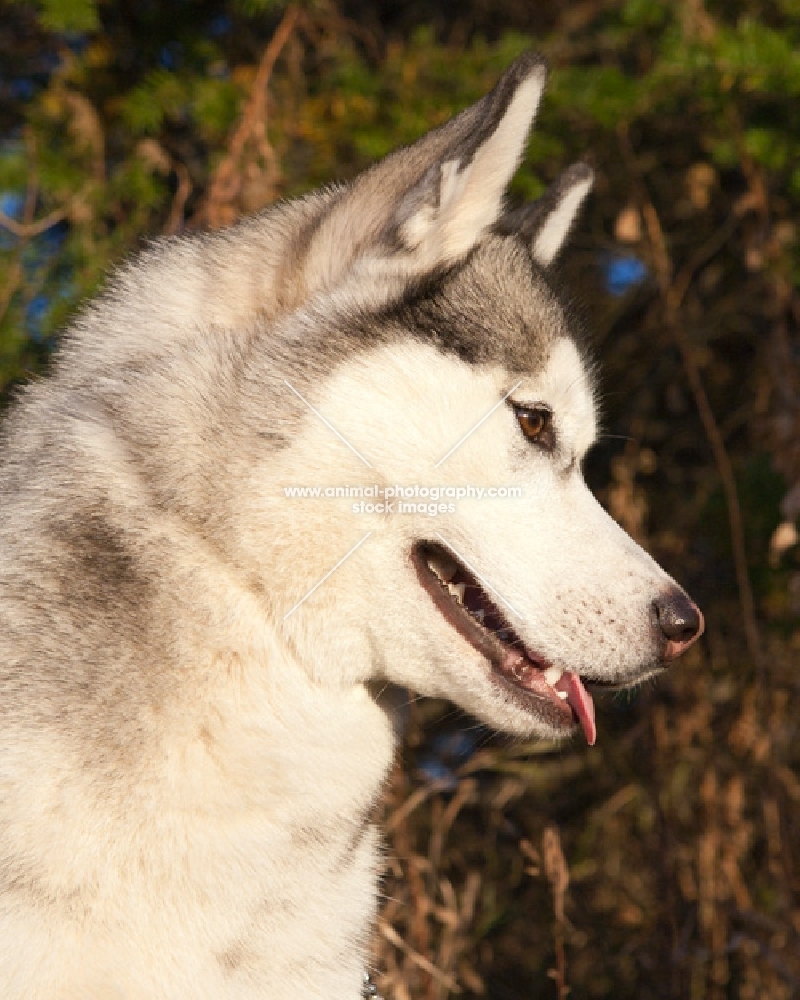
(546, 223)
(429, 204)
(460, 195)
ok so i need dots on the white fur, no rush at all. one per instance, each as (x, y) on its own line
(583, 587)
(469, 199)
(187, 774)
(551, 236)
(476, 204)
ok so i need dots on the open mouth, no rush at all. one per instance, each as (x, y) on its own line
(557, 694)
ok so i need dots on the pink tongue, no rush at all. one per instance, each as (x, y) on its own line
(580, 701)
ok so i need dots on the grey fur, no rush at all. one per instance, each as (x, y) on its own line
(185, 781)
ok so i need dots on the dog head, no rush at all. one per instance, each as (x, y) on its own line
(449, 387)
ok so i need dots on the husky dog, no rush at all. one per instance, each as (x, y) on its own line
(191, 739)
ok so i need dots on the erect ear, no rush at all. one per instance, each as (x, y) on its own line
(461, 193)
(429, 204)
(546, 222)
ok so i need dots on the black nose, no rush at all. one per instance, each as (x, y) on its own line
(680, 621)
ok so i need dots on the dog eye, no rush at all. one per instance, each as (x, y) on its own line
(536, 423)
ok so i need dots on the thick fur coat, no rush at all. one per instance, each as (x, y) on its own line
(191, 743)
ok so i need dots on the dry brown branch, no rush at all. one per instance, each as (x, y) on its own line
(226, 182)
(25, 230)
(10, 287)
(673, 291)
(419, 960)
(413, 802)
(557, 874)
(465, 792)
(174, 221)
(340, 25)
(87, 127)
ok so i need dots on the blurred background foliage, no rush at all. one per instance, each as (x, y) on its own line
(664, 862)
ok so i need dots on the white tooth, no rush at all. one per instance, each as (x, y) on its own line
(479, 614)
(457, 590)
(553, 675)
(562, 695)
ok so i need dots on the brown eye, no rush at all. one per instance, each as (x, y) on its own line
(536, 423)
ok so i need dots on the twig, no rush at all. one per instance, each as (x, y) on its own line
(226, 182)
(344, 26)
(417, 900)
(10, 287)
(557, 874)
(87, 126)
(673, 292)
(27, 229)
(414, 800)
(703, 255)
(23, 229)
(423, 963)
(466, 791)
(175, 220)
